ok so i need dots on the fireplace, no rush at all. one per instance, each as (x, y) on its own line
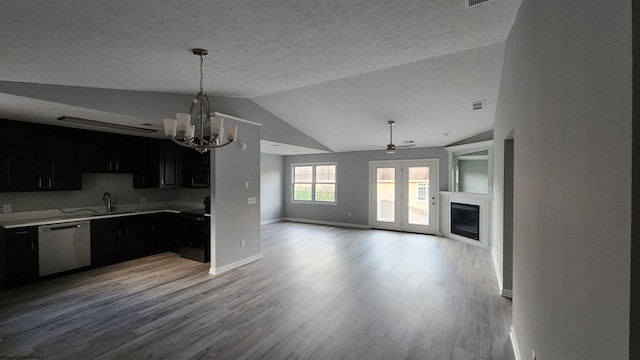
(465, 220)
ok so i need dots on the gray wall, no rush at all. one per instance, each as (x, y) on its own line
(474, 176)
(271, 187)
(352, 183)
(233, 219)
(120, 186)
(566, 94)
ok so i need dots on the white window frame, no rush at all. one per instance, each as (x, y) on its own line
(421, 185)
(313, 184)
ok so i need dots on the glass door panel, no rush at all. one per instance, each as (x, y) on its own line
(417, 204)
(386, 194)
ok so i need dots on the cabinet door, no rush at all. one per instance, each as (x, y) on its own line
(21, 256)
(20, 157)
(56, 154)
(106, 242)
(145, 172)
(139, 236)
(169, 165)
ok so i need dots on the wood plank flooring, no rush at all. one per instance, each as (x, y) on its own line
(320, 292)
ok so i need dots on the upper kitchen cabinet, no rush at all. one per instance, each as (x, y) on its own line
(108, 153)
(44, 161)
(169, 164)
(57, 166)
(146, 173)
(194, 168)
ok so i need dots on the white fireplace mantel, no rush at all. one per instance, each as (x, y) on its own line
(482, 200)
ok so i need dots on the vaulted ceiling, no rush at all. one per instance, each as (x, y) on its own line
(336, 70)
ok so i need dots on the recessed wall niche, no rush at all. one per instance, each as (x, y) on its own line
(471, 168)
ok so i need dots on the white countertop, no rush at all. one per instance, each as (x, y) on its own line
(58, 216)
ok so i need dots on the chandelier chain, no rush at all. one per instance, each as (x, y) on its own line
(201, 74)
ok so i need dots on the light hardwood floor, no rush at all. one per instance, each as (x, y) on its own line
(320, 292)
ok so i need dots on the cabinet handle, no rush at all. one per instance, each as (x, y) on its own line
(22, 232)
(39, 183)
(192, 182)
(162, 181)
(33, 246)
(143, 181)
(119, 232)
(110, 167)
(126, 231)
(50, 183)
(117, 165)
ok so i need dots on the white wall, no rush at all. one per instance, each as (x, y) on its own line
(566, 94)
(271, 187)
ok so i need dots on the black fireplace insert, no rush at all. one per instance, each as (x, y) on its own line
(465, 220)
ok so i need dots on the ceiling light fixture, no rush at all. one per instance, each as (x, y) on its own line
(206, 132)
(91, 122)
(391, 148)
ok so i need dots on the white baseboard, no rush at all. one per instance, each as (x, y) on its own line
(272, 221)
(220, 270)
(320, 222)
(514, 343)
(495, 267)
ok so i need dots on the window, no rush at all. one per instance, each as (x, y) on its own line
(315, 183)
(422, 192)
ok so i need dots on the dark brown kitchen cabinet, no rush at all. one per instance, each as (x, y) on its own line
(20, 256)
(56, 159)
(108, 153)
(44, 161)
(146, 173)
(124, 238)
(194, 169)
(169, 164)
(106, 242)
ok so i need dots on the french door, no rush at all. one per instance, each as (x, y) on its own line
(404, 195)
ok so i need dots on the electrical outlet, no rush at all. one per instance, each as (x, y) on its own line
(6, 208)
(533, 355)
(143, 199)
(242, 243)
(349, 213)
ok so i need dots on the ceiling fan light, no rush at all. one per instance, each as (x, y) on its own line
(391, 149)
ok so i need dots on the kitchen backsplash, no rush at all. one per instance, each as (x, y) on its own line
(120, 186)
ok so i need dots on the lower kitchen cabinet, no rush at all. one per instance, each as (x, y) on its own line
(20, 260)
(106, 242)
(125, 238)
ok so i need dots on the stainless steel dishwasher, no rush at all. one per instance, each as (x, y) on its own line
(63, 247)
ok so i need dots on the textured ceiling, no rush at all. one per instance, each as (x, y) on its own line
(280, 53)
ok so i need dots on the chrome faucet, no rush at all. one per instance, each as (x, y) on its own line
(107, 197)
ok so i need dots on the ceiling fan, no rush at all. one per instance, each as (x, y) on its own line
(391, 147)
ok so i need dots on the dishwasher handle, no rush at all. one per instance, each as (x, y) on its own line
(64, 226)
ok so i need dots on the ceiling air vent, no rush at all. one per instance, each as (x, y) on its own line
(477, 105)
(471, 3)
